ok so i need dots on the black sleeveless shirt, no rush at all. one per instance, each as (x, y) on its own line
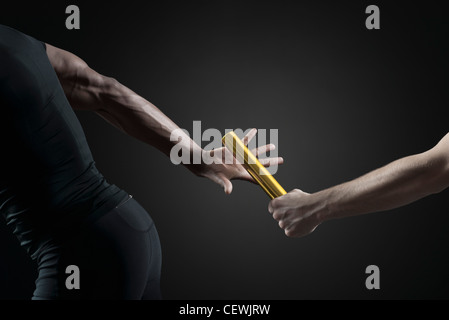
(49, 185)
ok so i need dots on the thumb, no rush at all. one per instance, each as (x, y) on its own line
(227, 185)
(224, 182)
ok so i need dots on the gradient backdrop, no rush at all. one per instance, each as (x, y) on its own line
(346, 100)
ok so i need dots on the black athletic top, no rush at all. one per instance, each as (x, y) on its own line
(49, 184)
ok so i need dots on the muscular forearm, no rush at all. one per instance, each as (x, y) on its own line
(86, 89)
(127, 111)
(396, 184)
(139, 118)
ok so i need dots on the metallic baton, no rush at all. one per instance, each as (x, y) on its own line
(249, 161)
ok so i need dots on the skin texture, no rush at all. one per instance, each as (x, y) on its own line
(401, 182)
(88, 90)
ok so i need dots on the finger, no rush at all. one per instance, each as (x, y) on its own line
(223, 182)
(282, 224)
(264, 149)
(268, 162)
(272, 205)
(249, 136)
(289, 228)
(227, 184)
(278, 204)
(279, 214)
(289, 232)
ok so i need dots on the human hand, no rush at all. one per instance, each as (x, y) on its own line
(221, 173)
(297, 212)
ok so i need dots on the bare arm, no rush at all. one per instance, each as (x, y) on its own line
(396, 184)
(88, 90)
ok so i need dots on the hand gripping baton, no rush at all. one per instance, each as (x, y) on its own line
(249, 161)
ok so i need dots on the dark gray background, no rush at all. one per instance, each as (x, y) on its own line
(346, 100)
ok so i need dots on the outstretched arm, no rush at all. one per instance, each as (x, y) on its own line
(88, 90)
(396, 184)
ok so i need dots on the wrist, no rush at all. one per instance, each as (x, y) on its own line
(196, 164)
(326, 205)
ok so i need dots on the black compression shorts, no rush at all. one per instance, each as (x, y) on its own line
(118, 257)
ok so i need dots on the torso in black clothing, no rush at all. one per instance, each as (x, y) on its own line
(48, 179)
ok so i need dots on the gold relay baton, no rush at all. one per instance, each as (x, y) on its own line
(249, 161)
